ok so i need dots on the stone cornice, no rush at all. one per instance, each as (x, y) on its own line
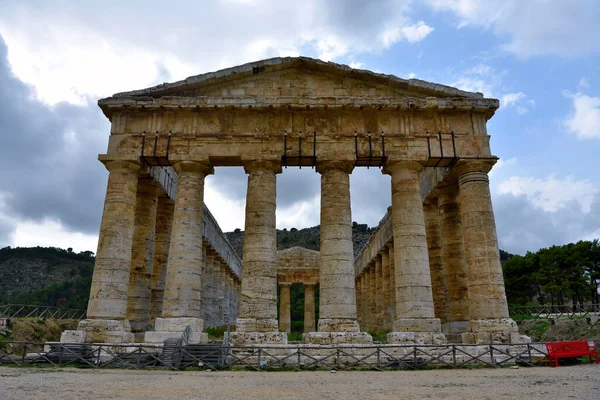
(448, 104)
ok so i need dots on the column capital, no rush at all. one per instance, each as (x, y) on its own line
(393, 167)
(344, 166)
(465, 166)
(284, 283)
(118, 165)
(309, 284)
(269, 165)
(194, 167)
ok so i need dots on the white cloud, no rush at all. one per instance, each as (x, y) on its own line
(357, 65)
(71, 51)
(518, 101)
(533, 27)
(480, 78)
(584, 120)
(551, 193)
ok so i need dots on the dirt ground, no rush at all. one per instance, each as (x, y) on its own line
(576, 382)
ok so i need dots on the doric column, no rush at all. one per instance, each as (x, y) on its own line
(285, 316)
(337, 296)
(488, 308)
(372, 296)
(432, 227)
(205, 277)
(258, 301)
(221, 282)
(182, 298)
(226, 295)
(142, 255)
(386, 322)
(379, 293)
(415, 321)
(162, 240)
(357, 283)
(453, 260)
(212, 293)
(107, 305)
(309, 307)
(392, 293)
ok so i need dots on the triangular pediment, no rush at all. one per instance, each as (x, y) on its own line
(297, 77)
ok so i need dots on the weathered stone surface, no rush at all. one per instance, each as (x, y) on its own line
(257, 338)
(73, 337)
(309, 308)
(259, 287)
(337, 337)
(415, 338)
(285, 318)
(106, 331)
(162, 240)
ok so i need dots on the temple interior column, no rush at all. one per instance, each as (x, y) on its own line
(142, 257)
(309, 307)
(337, 296)
(285, 316)
(488, 308)
(162, 240)
(257, 319)
(416, 320)
(436, 267)
(453, 260)
(182, 297)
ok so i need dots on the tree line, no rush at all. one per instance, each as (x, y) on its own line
(558, 275)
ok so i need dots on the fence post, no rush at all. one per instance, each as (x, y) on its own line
(259, 359)
(493, 361)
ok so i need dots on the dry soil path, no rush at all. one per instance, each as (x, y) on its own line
(576, 382)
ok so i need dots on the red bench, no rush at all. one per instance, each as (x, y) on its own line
(579, 348)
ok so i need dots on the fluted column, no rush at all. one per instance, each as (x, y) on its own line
(488, 308)
(107, 305)
(373, 296)
(392, 294)
(453, 259)
(258, 300)
(212, 294)
(416, 320)
(142, 255)
(432, 226)
(182, 297)
(285, 316)
(222, 305)
(358, 299)
(309, 307)
(162, 240)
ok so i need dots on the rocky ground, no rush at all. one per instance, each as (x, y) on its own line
(576, 382)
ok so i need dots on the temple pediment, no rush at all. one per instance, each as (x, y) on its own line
(296, 77)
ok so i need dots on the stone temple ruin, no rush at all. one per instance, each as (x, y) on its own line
(429, 274)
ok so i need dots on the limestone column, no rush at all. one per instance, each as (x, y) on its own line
(373, 296)
(211, 288)
(392, 293)
(379, 293)
(309, 307)
(453, 257)
(258, 300)
(226, 296)
(221, 283)
(358, 299)
(488, 308)
(204, 303)
(142, 255)
(336, 260)
(386, 320)
(106, 314)
(182, 297)
(416, 320)
(162, 240)
(285, 316)
(432, 227)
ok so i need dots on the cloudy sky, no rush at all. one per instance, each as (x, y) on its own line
(541, 58)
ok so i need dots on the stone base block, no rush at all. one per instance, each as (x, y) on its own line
(257, 338)
(417, 325)
(72, 337)
(106, 331)
(328, 338)
(500, 330)
(161, 336)
(178, 324)
(455, 327)
(137, 327)
(337, 325)
(493, 325)
(256, 325)
(416, 338)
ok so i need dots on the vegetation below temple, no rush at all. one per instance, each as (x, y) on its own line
(52, 276)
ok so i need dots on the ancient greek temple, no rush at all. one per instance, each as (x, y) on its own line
(430, 273)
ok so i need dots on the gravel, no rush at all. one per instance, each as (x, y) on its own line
(577, 382)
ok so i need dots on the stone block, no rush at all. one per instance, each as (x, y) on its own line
(72, 337)
(106, 331)
(416, 338)
(330, 338)
(178, 324)
(417, 325)
(160, 336)
(257, 338)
